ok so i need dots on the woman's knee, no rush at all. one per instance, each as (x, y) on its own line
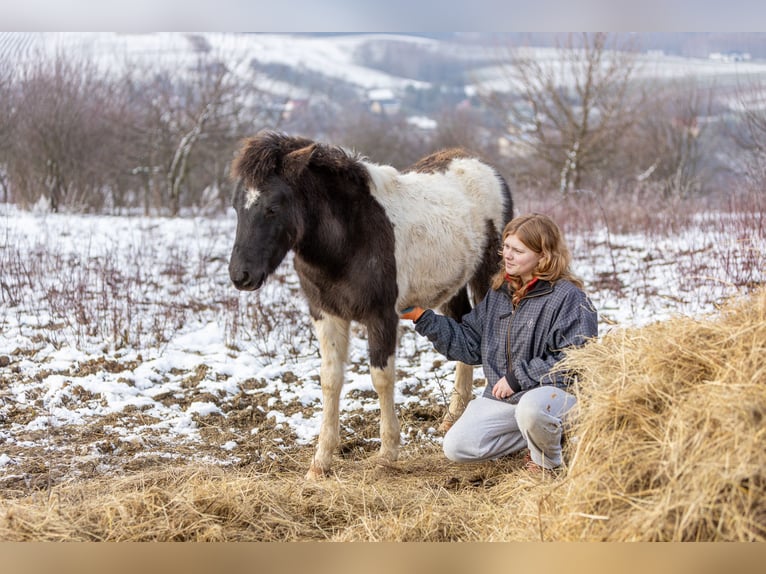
(459, 441)
(543, 404)
(454, 447)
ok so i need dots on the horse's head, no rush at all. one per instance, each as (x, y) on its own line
(269, 212)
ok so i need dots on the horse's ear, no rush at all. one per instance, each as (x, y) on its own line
(295, 162)
(258, 157)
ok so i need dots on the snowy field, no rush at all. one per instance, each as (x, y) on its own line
(124, 345)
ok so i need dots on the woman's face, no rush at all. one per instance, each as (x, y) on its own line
(519, 259)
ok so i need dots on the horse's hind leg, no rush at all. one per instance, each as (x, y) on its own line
(458, 306)
(333, 348)
(461, 394)
(462, 391)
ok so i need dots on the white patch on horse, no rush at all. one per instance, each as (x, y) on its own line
(251, 196)
(446, 215)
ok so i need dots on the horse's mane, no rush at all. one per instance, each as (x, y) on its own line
(265, 154)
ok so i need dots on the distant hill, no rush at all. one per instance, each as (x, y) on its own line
(347, 67)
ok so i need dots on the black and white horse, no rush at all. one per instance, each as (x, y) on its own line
(368, 240)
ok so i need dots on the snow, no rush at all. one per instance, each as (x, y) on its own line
(422, 122)
(332, 56)
(272, 342)
(648, 66)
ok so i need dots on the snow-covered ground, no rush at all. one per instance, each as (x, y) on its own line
(123, 335)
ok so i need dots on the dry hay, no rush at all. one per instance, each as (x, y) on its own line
(667, 445)
(670, 437)
(423, 498)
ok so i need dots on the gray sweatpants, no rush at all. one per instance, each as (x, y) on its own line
(490, 429)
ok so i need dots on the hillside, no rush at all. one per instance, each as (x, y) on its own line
(294, 66)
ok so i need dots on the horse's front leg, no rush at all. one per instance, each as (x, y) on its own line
(333, 348)
(382, 342)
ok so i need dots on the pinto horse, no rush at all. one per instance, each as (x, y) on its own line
(368, 240)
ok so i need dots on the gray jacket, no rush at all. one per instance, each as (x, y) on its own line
(525, 343)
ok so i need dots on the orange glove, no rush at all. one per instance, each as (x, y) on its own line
(412, 313)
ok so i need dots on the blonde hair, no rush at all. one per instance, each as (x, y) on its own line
(539, 233)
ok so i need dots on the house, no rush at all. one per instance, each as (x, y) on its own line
(383, 101)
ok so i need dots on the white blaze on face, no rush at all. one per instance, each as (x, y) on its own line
(251, 196)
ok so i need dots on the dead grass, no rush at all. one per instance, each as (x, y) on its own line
(418, 499)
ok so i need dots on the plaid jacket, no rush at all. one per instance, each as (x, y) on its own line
(525, 343)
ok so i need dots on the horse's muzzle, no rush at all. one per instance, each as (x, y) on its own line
(246, 282)
(243, 277)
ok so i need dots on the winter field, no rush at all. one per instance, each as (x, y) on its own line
(123, 345)
(126, 352)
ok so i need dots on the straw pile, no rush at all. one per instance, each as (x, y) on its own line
(420, 499)
(670, 436)
(667, 445)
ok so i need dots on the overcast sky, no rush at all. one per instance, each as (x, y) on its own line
(383, 15)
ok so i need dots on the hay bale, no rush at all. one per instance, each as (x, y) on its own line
(669, 438)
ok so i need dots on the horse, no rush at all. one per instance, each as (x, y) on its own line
(367, 241)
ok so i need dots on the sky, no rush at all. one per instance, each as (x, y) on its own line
(388, 16)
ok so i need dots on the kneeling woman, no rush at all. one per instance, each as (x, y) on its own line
(534, 311)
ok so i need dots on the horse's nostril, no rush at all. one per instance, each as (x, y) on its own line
(239, 278)
(244, 281)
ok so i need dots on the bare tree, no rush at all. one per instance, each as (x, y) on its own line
(176, 116)
(461, 127)
(572, 111)
(750, 132)
(65, 138)
(187, 126)
(384, 139)
(666, 148)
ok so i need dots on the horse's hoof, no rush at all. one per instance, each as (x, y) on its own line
(386, 458)
(447, 422)
(316, 473)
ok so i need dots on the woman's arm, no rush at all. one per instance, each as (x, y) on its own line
(458, 341)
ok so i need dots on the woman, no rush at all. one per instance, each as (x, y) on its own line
(534, 311)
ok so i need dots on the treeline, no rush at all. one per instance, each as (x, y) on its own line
(157, 140)
(154, 139)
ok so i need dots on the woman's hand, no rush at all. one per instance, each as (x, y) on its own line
(412, 313)
(502, 390)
